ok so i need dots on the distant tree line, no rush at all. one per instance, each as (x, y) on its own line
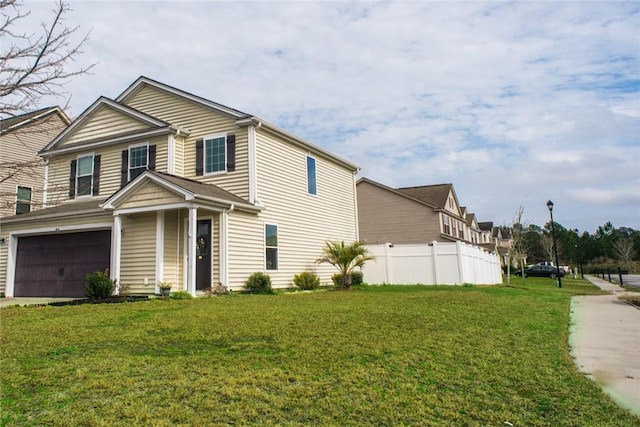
(608, 247)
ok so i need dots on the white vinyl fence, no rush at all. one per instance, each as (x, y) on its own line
(430, 264)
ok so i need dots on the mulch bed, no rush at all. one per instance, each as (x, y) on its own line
(110, 300)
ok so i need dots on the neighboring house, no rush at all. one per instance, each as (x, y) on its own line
(409, 215)
(22, 171)
(162, 185)
(473, 229)
(495, 238)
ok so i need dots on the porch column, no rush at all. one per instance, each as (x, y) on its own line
(116, 250)
(191, 250)
(224, 244)
(159, 249)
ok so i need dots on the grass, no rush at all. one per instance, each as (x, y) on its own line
(388, 355)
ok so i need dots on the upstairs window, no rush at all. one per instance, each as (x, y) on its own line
(23, 200)
(138, 160)
(135, 160)
(271, 246)
(215, 154)
(311, 175)
(461, 230)
(446, 226)
(84, 176)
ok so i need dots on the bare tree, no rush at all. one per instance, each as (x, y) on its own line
(547, 246)
(33, 66)
(519, 244)
(623, 248)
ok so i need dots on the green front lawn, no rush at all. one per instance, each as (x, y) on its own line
(389, 355)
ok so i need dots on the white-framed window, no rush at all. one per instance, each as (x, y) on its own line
(215, 154)
(84, 176)
(23, 200)
(311, 176)
(271, 246)
(138, 160)
(460, 230)
(446, 226)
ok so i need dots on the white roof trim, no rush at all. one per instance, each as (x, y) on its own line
(84, 146)
(122, 195)
(144, 80)
(92, 108)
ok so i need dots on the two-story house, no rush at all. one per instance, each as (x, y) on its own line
(22, 171)
(409, 215)
(163, 185)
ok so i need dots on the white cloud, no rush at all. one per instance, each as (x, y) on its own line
(514, 103)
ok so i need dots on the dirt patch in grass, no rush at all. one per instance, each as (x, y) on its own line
(111, 300)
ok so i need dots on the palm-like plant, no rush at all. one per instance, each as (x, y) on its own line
(345, 258)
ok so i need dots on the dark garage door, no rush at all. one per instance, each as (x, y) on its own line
(55, 265)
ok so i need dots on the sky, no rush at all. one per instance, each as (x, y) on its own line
(515, 103)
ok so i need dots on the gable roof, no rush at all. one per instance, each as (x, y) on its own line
(189, 189)
(394, 191)
(471, 217)
(485, 226)
(12, 123)
(152, 122)
(242, 119)
(436, 194)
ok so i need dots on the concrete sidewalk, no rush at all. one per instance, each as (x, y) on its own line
(605, 343)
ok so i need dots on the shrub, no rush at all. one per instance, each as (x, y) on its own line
(355, 279)
(99, 285)
(259, 283)
(181, 295)
(307, 280)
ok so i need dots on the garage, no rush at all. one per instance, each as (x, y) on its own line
(55, 265)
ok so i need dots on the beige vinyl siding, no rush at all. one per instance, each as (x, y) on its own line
(385, 217)
(173, 250)
(22, 145)
(138, 256)
(110, 166)
(45, 226)
(246, 247)
(305, 222)
(200, 121)
(179, 156)
(104, 122)
(151, 194)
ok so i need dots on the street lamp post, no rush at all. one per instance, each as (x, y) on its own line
(555, 247)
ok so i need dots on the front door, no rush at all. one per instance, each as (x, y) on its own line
(203, 254)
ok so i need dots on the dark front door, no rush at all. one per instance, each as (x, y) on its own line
(203, 254)
(55, 265)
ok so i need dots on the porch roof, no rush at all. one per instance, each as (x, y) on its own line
(71, 207)
(192, 191)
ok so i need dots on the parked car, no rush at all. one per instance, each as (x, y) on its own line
(544, 271)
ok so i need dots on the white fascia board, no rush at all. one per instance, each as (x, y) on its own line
(93, 107)
(125, 138)
(173, 206)
(228, 204)
(45, 113)
(84, 213)
(140, 180)
(62, 229)
(143, 80)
